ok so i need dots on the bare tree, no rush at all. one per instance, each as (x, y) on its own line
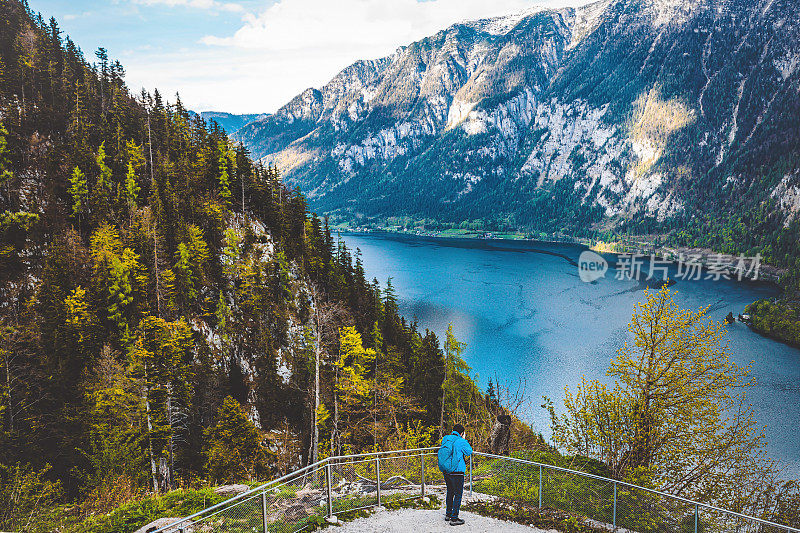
(504, 406)
(328, 316)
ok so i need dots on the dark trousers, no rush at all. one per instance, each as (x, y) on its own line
(455, 488)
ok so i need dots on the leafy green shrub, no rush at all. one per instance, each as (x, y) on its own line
(23, 494)
(134, 515)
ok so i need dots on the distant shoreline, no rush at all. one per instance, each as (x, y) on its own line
(767, 273)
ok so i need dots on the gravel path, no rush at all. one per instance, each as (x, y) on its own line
(426, 521)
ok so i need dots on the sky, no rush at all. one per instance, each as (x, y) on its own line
(253, 56)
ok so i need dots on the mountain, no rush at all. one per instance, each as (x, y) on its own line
(620, 116)
(231, 122)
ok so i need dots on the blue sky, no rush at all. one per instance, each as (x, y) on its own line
(252, 56)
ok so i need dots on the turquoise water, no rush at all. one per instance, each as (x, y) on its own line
(529, 320)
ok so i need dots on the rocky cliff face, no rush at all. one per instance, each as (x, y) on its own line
(623, 110)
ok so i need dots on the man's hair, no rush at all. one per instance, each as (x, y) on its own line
(459, 428)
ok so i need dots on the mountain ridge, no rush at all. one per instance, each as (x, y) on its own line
(657, 113)
(230, 122)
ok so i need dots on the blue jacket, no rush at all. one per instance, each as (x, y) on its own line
(451, 454)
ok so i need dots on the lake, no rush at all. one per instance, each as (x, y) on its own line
(527, 317)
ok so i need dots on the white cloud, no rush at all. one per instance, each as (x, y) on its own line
(196, 4)
(366, 26)
(75, 16)
(295, 44)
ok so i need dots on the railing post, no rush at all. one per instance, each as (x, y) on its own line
(470, 476)
(615, 505)
(422, 474)
(540, 486)
(696, 516)
(328, 484)
(264, 510)
(378, 476)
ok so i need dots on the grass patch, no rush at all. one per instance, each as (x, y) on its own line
(131, 516)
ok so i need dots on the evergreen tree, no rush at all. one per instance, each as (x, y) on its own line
(225, 164)
(101, 191)
(5, 172)
(161, 360)
(79, 191)
(135, 162)
(234, 446)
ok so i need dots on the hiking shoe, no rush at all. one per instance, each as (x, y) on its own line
(447, 518)
(456, 522)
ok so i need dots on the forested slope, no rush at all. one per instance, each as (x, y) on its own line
(167, 302)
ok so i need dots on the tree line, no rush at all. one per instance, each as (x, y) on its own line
(171, 312)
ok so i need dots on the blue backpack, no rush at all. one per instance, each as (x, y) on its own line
(451, 454)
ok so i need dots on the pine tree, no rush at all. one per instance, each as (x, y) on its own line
(454, 368)
(5, 172)
(353, 387)
(115, 425)
(135, 162)
(225, 164)
(104, 177)
(183, 273)
(79, 191)
(161, 358)
(119, 277)
(101, 191)
(234, 446)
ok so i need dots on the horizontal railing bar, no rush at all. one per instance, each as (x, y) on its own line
(339, 462)
(637, 487)
(373, 454)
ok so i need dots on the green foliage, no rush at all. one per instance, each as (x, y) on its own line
(777, 319)
(234, 446)
(119, 277)
(136, 514)
(161, 357)
(455, 395)
(226, 162)
(24, 493)
(183, 271)
(132, 188)
(114, 424)
(17, 222)
(462, 402)
(5, 173)
(135, 162)
(665, 422)
(78, 190)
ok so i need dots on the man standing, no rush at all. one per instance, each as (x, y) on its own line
(451, 462)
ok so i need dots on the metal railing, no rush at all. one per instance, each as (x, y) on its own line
(339, 485)
(304, 498)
